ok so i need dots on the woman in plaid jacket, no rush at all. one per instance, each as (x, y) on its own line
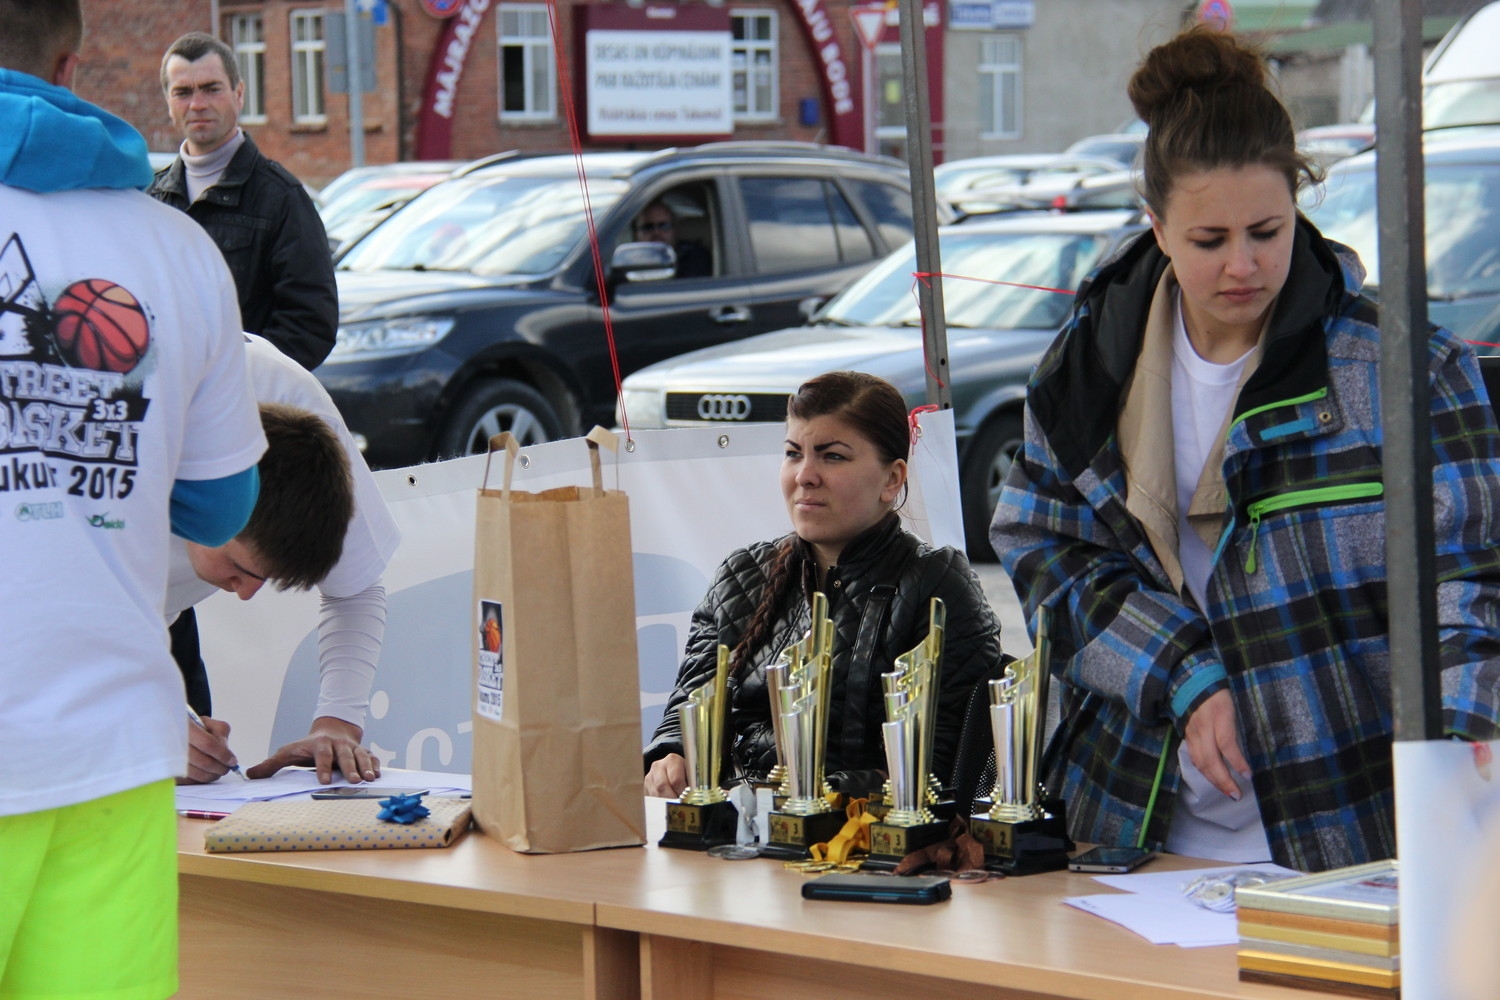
(1199, 502)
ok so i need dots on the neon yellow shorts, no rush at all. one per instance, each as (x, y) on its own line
(88, 899)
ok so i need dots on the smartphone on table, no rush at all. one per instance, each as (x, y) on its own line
(365, 792)
(916, 889)
(1113, 860)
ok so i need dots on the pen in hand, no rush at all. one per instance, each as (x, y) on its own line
(197, 720)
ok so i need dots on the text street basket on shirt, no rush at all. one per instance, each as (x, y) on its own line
(556, 694)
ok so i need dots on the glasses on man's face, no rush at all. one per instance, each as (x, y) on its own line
(653, 227)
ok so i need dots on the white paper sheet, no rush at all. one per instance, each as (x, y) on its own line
(229, 792)
(1156, 909)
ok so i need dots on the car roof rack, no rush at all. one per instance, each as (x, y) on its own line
(730, 146)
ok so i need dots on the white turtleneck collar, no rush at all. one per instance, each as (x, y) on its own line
(203, 172)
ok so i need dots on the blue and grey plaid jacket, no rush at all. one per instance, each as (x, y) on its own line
(1295, 626)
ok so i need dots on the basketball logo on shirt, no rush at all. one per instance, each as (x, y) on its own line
(100, 325)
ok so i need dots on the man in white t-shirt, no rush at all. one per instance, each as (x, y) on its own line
(125, 415)
(310, 539)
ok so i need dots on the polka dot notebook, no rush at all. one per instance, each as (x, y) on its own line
(321, 825)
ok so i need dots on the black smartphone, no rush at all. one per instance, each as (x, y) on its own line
(917, 889)
(1111, 859)
(365, 792)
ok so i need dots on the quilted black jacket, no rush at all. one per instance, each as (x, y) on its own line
(887, 556)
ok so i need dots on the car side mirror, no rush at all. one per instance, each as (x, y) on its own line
(809, 307)
(642, 262)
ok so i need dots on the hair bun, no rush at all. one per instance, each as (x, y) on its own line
(1200, 59)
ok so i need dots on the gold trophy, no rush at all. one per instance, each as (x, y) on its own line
(1021, 831)
(798, 684)
(911, 700)
(704, 817)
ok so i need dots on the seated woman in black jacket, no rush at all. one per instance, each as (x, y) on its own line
(843, 479)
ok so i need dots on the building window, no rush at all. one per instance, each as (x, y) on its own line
(307, 67)
(1000, 87)
(247, 36)
(752, 57)
(528, 75)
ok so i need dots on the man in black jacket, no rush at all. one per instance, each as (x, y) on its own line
(259, 214)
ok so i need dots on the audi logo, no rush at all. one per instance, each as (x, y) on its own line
(735, 407)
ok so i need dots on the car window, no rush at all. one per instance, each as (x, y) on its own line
(1047, 260)
(854, 242)
(487, 225)
(686, 217)
(1463, 225)
(798, 224)
(889, 205)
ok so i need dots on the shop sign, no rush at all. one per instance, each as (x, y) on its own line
(658, 83)
(444, 71)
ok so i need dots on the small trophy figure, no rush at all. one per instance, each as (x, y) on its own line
(1021, 831)
(798, 684)
(704, 817)
(911, 698)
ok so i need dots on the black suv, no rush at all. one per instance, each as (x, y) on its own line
(474, 309)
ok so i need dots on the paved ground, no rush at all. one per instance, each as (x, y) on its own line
(1003, 599)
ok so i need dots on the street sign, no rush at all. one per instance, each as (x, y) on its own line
(442, 8)
(379, 13)
(869, 23)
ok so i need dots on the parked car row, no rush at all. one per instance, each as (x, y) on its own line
(476, 307)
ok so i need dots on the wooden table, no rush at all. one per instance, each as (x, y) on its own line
(477, 920)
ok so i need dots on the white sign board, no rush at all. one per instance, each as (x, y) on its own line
(659, 83)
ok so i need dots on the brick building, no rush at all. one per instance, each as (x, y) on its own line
(485, 78)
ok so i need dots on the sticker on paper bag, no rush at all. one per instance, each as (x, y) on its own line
(491, 672)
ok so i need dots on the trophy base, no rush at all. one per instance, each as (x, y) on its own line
(792, 836)
(1027, 847)
(697, 828)
(890, 844)
(944, 808)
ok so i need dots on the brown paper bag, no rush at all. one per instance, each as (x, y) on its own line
(557, 756)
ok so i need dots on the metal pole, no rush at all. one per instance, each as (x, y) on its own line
(356, 89)
(924, 199)
(1405, 395)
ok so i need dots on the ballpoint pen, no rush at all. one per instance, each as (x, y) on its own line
(197, 720)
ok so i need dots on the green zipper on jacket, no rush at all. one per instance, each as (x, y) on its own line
(1304, 498)
(1283, 402)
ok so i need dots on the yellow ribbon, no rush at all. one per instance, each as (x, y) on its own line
(853, 838)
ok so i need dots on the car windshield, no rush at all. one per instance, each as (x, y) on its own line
(354, 202)
(1463, 225)
(972, 262)
(487, 225)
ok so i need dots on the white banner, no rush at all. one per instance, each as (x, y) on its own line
(695, 495)
(659, 83)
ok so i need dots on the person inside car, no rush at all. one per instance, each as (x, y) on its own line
(843, 479)
(657, 223)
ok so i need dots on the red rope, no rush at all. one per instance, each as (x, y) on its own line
(1480, 343)
(571, 113)
(911, 419)
(925, 276)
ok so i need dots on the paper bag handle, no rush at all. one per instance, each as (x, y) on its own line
(507, 441)
(596, 437)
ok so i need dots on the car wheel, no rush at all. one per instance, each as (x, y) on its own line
(985, 468)
(493, 406)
